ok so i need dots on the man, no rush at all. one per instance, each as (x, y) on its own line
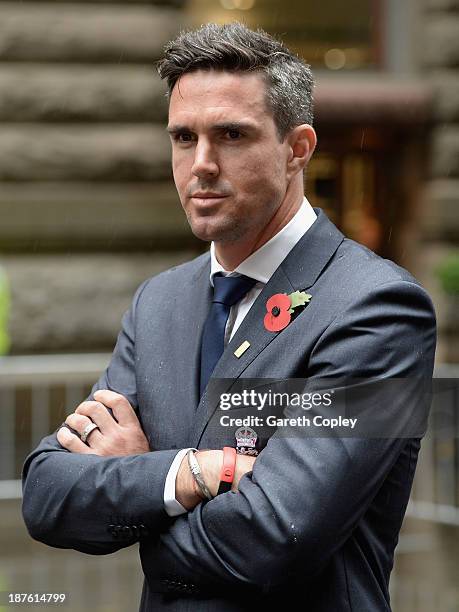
(315, 518)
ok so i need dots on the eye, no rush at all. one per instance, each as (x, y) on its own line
(183, 137)
(234, 134)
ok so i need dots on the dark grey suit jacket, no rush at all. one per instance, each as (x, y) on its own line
(318, 518)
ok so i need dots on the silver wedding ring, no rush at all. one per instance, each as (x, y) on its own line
(87, 430)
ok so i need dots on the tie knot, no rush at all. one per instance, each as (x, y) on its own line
(230, 289)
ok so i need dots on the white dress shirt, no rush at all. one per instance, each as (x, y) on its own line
(260, 265)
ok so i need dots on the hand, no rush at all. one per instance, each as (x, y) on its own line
(188, 493)
(116, 436)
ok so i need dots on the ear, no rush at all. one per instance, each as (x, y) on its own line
(301, 141)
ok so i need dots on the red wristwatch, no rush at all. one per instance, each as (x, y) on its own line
(228, 468)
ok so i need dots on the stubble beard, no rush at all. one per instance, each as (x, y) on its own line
(228, 234)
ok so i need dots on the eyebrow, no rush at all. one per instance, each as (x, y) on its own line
(225, 125)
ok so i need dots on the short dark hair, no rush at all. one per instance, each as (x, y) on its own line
(235, 48)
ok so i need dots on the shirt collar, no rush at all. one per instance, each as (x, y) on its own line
(262, 264)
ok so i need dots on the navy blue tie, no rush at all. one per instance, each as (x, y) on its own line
(228, 290)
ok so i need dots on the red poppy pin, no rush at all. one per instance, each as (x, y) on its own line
(280, 308)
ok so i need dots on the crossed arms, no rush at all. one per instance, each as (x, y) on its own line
(303, 497)
(122, 435)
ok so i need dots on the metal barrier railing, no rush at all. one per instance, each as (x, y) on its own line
(36, 394)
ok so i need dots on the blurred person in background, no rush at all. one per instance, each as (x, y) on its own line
(314, 519)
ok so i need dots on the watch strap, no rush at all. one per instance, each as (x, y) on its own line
(228, 469)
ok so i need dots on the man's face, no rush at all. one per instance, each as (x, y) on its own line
(229, 167)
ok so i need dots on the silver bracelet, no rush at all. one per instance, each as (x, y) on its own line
(197, 474)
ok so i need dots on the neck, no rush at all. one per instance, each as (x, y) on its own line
(231, 254)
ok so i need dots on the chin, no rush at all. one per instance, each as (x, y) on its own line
(214, 233)
(202, 231)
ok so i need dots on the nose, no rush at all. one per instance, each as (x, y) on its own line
(205, 161)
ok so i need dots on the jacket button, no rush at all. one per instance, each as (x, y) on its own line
(144, 532)
(127, 532)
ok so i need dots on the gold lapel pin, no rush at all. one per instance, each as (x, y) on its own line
(242, 349)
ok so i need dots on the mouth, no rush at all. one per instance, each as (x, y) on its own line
(208, 195)
(207, 198)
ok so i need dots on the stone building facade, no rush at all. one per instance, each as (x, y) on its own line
(87, 205)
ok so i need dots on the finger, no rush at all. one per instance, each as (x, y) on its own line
(98, 413)
(78, 422)
(123, 411)
(72, 443)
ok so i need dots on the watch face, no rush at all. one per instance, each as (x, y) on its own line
(245, 437)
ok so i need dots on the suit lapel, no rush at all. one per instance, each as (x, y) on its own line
(299, 271)
(189, 332)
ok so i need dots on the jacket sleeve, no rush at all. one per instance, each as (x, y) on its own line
(305, 496)
(97, 504)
